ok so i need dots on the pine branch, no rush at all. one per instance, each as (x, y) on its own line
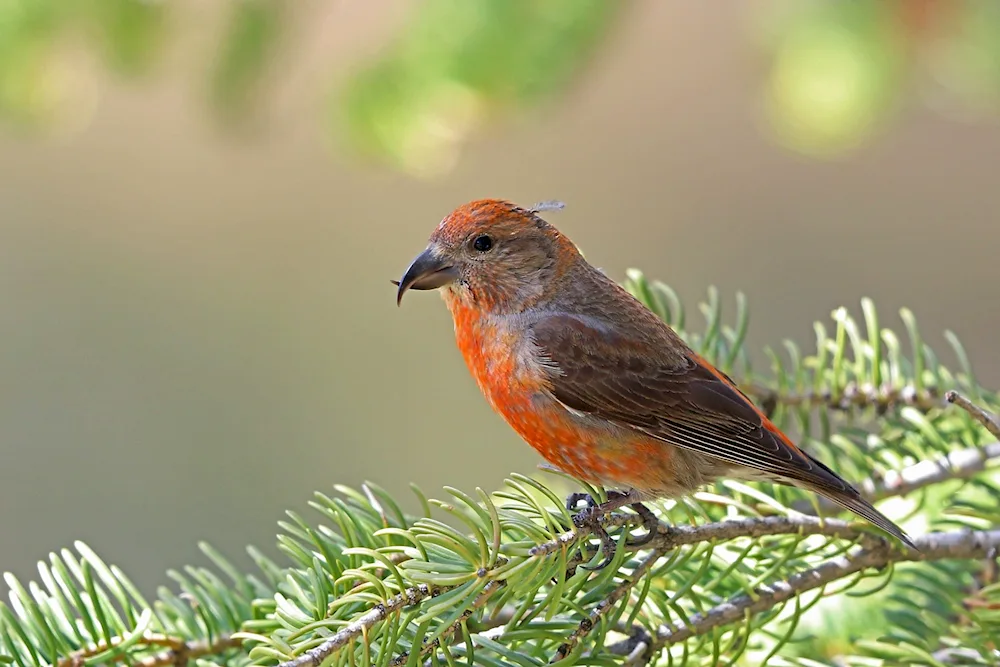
(877, 552)
(961, 464)
(602, 608)
(959, 656)
(933, 547)
(178, 651)
(673, 536)
(374, 585)
(427, 648)
(87, 612)
(851, 397)
(987, 419)
(636, 648)
(411, 596)
(861, 367)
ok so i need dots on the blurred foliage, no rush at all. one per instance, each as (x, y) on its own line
(41, 73)
(132, 32)
(251, 39)
(459, 61)
(26, 89)
(966, 62)
(42, 41)
(840, 69)
(836, 70)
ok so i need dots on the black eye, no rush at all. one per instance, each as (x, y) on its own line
(482, 243)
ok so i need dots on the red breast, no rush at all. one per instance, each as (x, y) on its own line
(515, 386)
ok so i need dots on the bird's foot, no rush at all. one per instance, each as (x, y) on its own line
(649, 522)
(573, 500)
(589, 518)
(616, 499)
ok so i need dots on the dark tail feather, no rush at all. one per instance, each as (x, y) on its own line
(864, 509)
(827, 483)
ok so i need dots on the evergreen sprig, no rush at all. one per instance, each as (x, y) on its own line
(739, 573)
(83, 611)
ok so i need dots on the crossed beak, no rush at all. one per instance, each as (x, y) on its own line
(428, 271)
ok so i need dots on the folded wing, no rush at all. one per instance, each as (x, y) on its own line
(646, 384)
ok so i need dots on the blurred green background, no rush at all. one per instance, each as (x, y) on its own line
(202, 203)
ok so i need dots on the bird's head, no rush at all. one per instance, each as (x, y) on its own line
(493, 254)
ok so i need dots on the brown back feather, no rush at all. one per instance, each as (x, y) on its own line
(617, 361)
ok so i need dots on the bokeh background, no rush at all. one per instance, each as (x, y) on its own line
(202, 203)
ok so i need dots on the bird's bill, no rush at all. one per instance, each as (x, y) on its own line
(428, 271)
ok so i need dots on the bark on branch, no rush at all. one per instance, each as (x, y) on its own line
(957, 544)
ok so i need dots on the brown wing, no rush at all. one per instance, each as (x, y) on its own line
(680, 401)
(650, 382)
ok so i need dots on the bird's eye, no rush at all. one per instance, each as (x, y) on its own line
(482, 243)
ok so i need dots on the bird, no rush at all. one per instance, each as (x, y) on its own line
(602, 388)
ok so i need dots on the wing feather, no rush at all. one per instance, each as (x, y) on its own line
(629, 381)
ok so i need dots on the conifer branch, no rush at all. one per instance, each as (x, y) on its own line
(411, 596)
(960, 464)
(670, 537)
(875, 552)
(933, 547)
(959, 656)
(375, 585)
(636, 648)
(987, 419)
(673, 536)
(488, 591)
(606, 604)
(803, 525)
(851, 397)
(178, 651)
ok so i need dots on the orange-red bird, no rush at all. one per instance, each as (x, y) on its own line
(594, 381)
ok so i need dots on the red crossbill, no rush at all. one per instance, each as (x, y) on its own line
(600, 386)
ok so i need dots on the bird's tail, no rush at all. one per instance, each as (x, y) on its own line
(850, 499)
(829, 484)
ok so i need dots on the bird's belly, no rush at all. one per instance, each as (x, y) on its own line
(516, 390)
(602, 453)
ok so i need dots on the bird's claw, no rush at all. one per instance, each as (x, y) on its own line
(573, 499)
(649, 522)
(589, 519)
